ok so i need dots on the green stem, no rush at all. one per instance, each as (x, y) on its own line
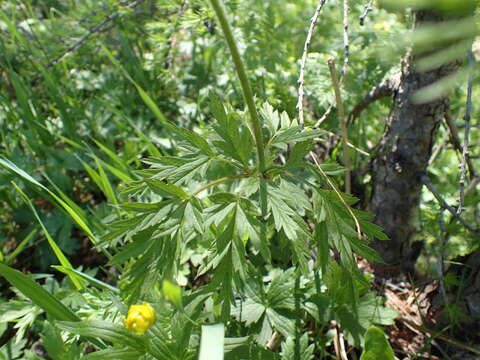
(248, 95)
(242, 75)
(219, 181)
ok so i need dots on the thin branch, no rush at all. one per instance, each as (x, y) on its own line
(473, 184)
(439, 335)
(96, 29)
(346, 40)
(438, 148)
(332, 185)
(426, 181)
(343, 122)
(463, 166)
(301, 77)
(366, 10)
(385, 88)
(324, 117)
(455, 140)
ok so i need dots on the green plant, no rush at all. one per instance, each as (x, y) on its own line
(238, 211)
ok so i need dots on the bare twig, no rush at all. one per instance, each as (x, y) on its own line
(343, 122)
(438, 148)
(473, 184)
(426, 181)
(463, 166)
(301, 77)
(346, 40)
(385, 88)
(455, 140)
(324, 117)
(98, 28)
(438, 335)
(366, 10)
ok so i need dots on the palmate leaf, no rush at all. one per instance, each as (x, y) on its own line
(369, 310)
(331, 213)
(274, 119)
(283, 130)
(271, 305)
(288, 220)
(179, 170)
(235, 139)
(295, 134)
(305, 351)
(376, 346)
(165, 189)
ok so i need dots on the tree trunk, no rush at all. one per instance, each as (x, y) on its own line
(403, 155)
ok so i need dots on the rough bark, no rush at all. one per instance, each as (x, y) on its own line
(402, 158)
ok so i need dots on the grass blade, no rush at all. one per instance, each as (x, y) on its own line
(58, 252)
(37, 294)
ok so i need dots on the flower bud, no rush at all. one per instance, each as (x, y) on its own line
(140, 318)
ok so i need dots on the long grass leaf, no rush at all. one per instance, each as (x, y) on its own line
(97, 283)
(37, 294)
(56, 249)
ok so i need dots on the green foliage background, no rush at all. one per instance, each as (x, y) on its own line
(137, 143)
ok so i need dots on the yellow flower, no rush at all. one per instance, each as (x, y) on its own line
(140, 318)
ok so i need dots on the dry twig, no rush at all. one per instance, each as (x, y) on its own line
(366, 10)
(463, 165)
(383, 89)
(301, 78)
(98, 28)
(346, 40)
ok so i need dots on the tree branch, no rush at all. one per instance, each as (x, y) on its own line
(301, 77)
(98, 28)
(383, 89)
(367, 8)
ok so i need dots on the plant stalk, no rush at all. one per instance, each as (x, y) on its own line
(242, 75)
(255, 122)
